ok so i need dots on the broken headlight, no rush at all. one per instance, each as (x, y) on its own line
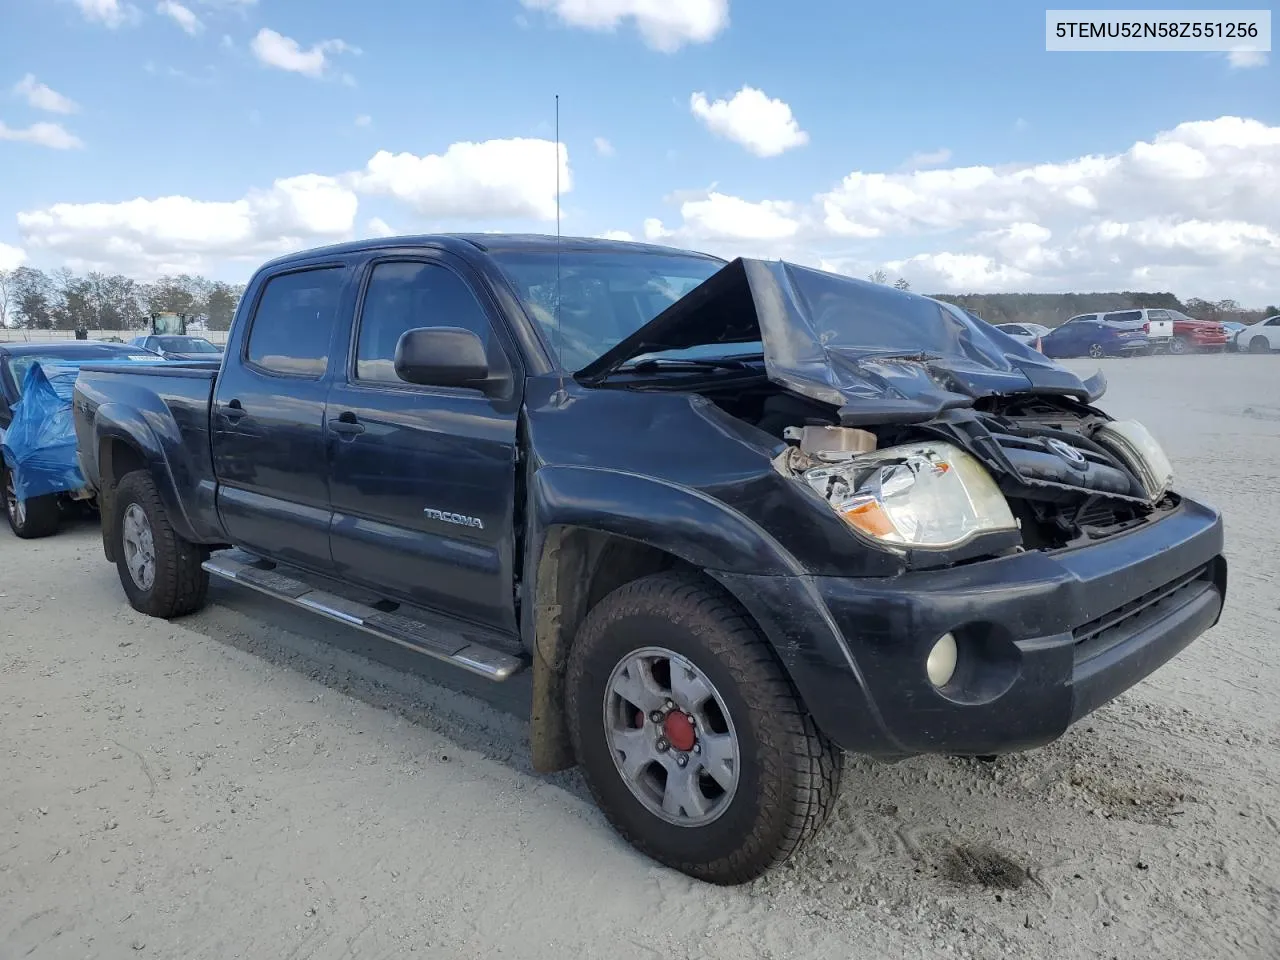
(1141, 453)
(927, 495)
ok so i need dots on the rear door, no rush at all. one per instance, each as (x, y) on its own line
(269, 443)
(423, 479)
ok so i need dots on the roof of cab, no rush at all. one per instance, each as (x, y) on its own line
(483, 242)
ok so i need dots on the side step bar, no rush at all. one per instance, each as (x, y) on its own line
(408, 632)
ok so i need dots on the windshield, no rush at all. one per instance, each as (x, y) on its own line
(185, 345)
(605, 296)
(20, 364)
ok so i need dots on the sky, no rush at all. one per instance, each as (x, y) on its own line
(937, 141)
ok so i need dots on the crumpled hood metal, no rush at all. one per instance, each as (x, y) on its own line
(880, 354)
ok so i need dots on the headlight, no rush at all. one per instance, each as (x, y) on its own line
(1135, 445)
(930, 495)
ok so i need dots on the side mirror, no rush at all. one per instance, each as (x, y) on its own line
(441, 357)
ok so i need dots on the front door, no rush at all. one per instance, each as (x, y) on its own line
(269, 444)
(422, 479)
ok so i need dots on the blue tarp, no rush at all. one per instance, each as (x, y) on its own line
(39, 448)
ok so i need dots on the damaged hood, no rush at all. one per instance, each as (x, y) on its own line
(880, 354)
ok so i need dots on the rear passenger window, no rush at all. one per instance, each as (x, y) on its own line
(293, 325)
(1124, 316)
(406, 295)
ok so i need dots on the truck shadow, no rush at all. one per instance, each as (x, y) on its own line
(487, 718)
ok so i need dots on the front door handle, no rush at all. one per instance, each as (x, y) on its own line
(233, 411)
(346, 425)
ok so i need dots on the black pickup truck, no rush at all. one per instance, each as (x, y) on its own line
(736, 517)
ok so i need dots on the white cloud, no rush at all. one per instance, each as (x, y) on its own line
(940, 272)
(11, 257)
(41, 97)
(604, 147)
(284, 53)
(110, 13)
(717, 217)
(52, 135)
(1195, 209)
(615, 235)
(928, 158)
(182, 16)
(750, 118)
(167, 234)
(665, 25)
(364, 120)
(1246, 59)
(495, 179)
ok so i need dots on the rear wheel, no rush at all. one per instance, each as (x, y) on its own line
(32, 518)
(693, 740)
(1259, 345)
(1097, 351)
(160, 572)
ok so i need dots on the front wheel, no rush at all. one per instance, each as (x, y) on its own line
(1097, 351)
(161, 573)
(1259, 345)
(1179, 345)
(693, 740)
(32, 518)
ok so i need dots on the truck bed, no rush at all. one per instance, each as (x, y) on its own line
(163, 409)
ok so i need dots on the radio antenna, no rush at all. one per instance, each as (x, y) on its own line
(559, 329)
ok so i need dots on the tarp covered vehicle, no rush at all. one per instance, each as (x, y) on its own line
(41, 472)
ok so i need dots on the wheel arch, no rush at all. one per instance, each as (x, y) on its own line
(588, 531)
(122, 449)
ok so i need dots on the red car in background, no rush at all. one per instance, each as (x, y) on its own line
(1190, 334)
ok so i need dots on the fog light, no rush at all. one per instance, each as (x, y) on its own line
(941, 665)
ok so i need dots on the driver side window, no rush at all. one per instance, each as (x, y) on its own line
(404, 295)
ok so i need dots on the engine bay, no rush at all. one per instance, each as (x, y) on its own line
(1069, 473)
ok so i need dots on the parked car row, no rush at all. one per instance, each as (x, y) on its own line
(735, 518)
(1121, 333)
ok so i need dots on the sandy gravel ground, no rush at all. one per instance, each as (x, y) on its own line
(252, 783)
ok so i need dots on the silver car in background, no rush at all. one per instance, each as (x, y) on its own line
(1025, 333)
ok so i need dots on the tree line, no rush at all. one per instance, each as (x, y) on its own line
(1052, 309)
(62, 300)
(34, 299)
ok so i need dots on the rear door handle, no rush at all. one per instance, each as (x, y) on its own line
(346, 425)
(233, 411)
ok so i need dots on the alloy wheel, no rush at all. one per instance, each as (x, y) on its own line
(139, 547)
(671, 737)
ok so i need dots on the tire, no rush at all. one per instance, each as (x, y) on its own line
(786, 773)
(1097, 351)
(1179, 346)
(33, 518)
(1259, 345)
(176, 584)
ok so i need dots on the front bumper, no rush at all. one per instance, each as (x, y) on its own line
(1045, 638)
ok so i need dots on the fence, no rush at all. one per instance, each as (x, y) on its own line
(15, 335)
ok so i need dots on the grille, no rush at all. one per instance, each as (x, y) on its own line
(1099, 635)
